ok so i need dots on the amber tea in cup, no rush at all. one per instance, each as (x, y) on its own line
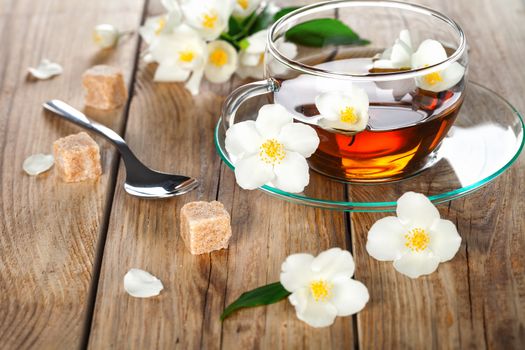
(411, 106)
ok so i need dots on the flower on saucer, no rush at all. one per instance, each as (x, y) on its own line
(222, 61)
(154, 26)
(417, 240)
(322, 287)
(208, 17)
(46, 69)
(399, 55)
(244, 8)
(105, 36)
(431, 52)
(343, 110)
(179, 55)
(271, 150)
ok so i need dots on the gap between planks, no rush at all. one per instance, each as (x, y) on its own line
(99, 252)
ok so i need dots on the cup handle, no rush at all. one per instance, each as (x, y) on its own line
(242, 93)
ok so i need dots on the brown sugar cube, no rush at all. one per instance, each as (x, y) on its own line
(77, 158)
(205, 226)
(105, 87)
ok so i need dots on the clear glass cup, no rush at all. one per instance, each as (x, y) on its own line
(407, 118)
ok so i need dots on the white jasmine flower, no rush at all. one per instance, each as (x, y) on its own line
(46, 69)
(344, 110)
(166, 23)
(271, 150)
(251, 58)
(222, 61)
(322, 287)
(244, 8)
(105, 36)
(431, 52)
(209, 17)
(417, 240)
(38, 163)
(180, 54)
(399, 55)
(141, 284)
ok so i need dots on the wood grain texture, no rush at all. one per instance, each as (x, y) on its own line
(49, 229)
(477, 300)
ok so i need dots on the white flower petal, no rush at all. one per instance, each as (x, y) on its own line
(38, 163)
(194, 83)
(242, 138)
(170, 73)
(348, 296)
(317, 314)
(105, 35)
(46, 69)
(257, 42)
(152, 28)
(428, 53)
(385, 240)
(416, 211)
(271, 119)
(295, 271)
(397, 56)
(243, 8)
(404, 36)
(444, 240)
(141, 284)
(449, 77)
(328, 104)
(208, 17)
(252, 173)
(222, 61)
(299, 299)
(415, 264)
(291, 175)
(334, 262)
(300, 138)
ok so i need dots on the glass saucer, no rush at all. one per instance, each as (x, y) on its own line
(485, 140)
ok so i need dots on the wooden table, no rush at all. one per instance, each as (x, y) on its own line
(64, 248)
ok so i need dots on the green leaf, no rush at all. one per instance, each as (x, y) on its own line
(234, 27)
(265, 295)
(283, 12)
(324, 31)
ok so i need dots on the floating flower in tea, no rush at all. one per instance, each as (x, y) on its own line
(399, 55)
(431, 52)
(343, 110)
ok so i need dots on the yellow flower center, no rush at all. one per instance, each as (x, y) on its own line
(348, 115)
(243, 4)
(261, 58)
(219, 57)
(321, 290)
(272, 152)
(97, 38)
(209, 20)
(161, 24)
(417, 240)
(433, 78)
(186, 56)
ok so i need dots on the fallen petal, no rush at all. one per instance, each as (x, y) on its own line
(141, 284)
(38, 163)
(46, 69)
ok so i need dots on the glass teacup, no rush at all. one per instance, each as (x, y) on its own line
(411, 107)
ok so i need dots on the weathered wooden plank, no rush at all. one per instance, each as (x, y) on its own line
(49, 229)
(476, 300)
